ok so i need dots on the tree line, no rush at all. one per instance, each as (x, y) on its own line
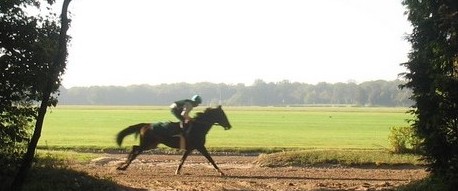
(261, 93)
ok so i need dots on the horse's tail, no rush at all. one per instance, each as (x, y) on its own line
(129, 130)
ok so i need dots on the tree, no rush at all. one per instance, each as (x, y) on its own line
(32, 59)
(433, 77)
(19, 52)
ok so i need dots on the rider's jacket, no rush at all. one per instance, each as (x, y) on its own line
(184, 106)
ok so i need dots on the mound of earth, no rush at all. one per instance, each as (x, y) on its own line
(157, 172)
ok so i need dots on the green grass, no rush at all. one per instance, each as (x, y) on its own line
(337, 157)
(254, 128)
(60, 157)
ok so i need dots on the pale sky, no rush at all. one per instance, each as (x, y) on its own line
(123, 43)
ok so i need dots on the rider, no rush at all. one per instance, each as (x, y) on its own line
(181, 109)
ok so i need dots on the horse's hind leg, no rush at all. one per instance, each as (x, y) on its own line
(210, 159)
(136, 150)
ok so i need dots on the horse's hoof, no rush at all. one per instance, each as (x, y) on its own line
(121, 168)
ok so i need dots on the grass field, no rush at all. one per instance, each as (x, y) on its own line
(253, 127)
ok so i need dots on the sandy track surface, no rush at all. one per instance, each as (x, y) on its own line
(157, 172)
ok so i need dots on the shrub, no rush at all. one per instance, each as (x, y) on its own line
(403, 140)
(13, 140)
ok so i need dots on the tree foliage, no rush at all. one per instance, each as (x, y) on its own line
(28, 44)
(433, 77)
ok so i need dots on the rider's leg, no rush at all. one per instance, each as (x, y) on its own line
(182, 135)
(177, 113)
(188, 128)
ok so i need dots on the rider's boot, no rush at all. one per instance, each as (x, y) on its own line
(185, 129)
(182, 137)
(182, 142)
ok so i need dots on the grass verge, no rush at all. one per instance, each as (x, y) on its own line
(167, 150)
(337, 157)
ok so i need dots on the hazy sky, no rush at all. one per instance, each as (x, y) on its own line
(118, 42)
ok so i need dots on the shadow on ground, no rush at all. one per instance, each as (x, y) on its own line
(51, 179)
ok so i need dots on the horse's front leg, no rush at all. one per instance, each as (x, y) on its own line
(136, 150)
(204, 152)
(183, 158)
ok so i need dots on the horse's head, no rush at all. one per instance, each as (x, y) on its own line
(219, 117)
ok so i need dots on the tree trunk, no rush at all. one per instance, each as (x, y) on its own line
(59, 62)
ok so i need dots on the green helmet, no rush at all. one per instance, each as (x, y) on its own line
(197, 99)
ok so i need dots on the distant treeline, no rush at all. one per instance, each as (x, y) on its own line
(283, 93)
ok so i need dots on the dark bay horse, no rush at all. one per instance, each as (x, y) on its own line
(153, 134)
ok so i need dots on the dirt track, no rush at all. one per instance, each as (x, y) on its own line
(157, 172)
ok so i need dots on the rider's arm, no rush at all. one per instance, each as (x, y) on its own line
(187, 107)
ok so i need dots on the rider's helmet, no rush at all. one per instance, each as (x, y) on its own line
(196, 99)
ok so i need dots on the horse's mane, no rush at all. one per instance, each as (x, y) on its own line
(200, 114)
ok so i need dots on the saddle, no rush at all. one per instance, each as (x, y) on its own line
(171, 129)
(166, 129)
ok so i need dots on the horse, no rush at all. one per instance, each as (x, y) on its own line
(152, 134)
